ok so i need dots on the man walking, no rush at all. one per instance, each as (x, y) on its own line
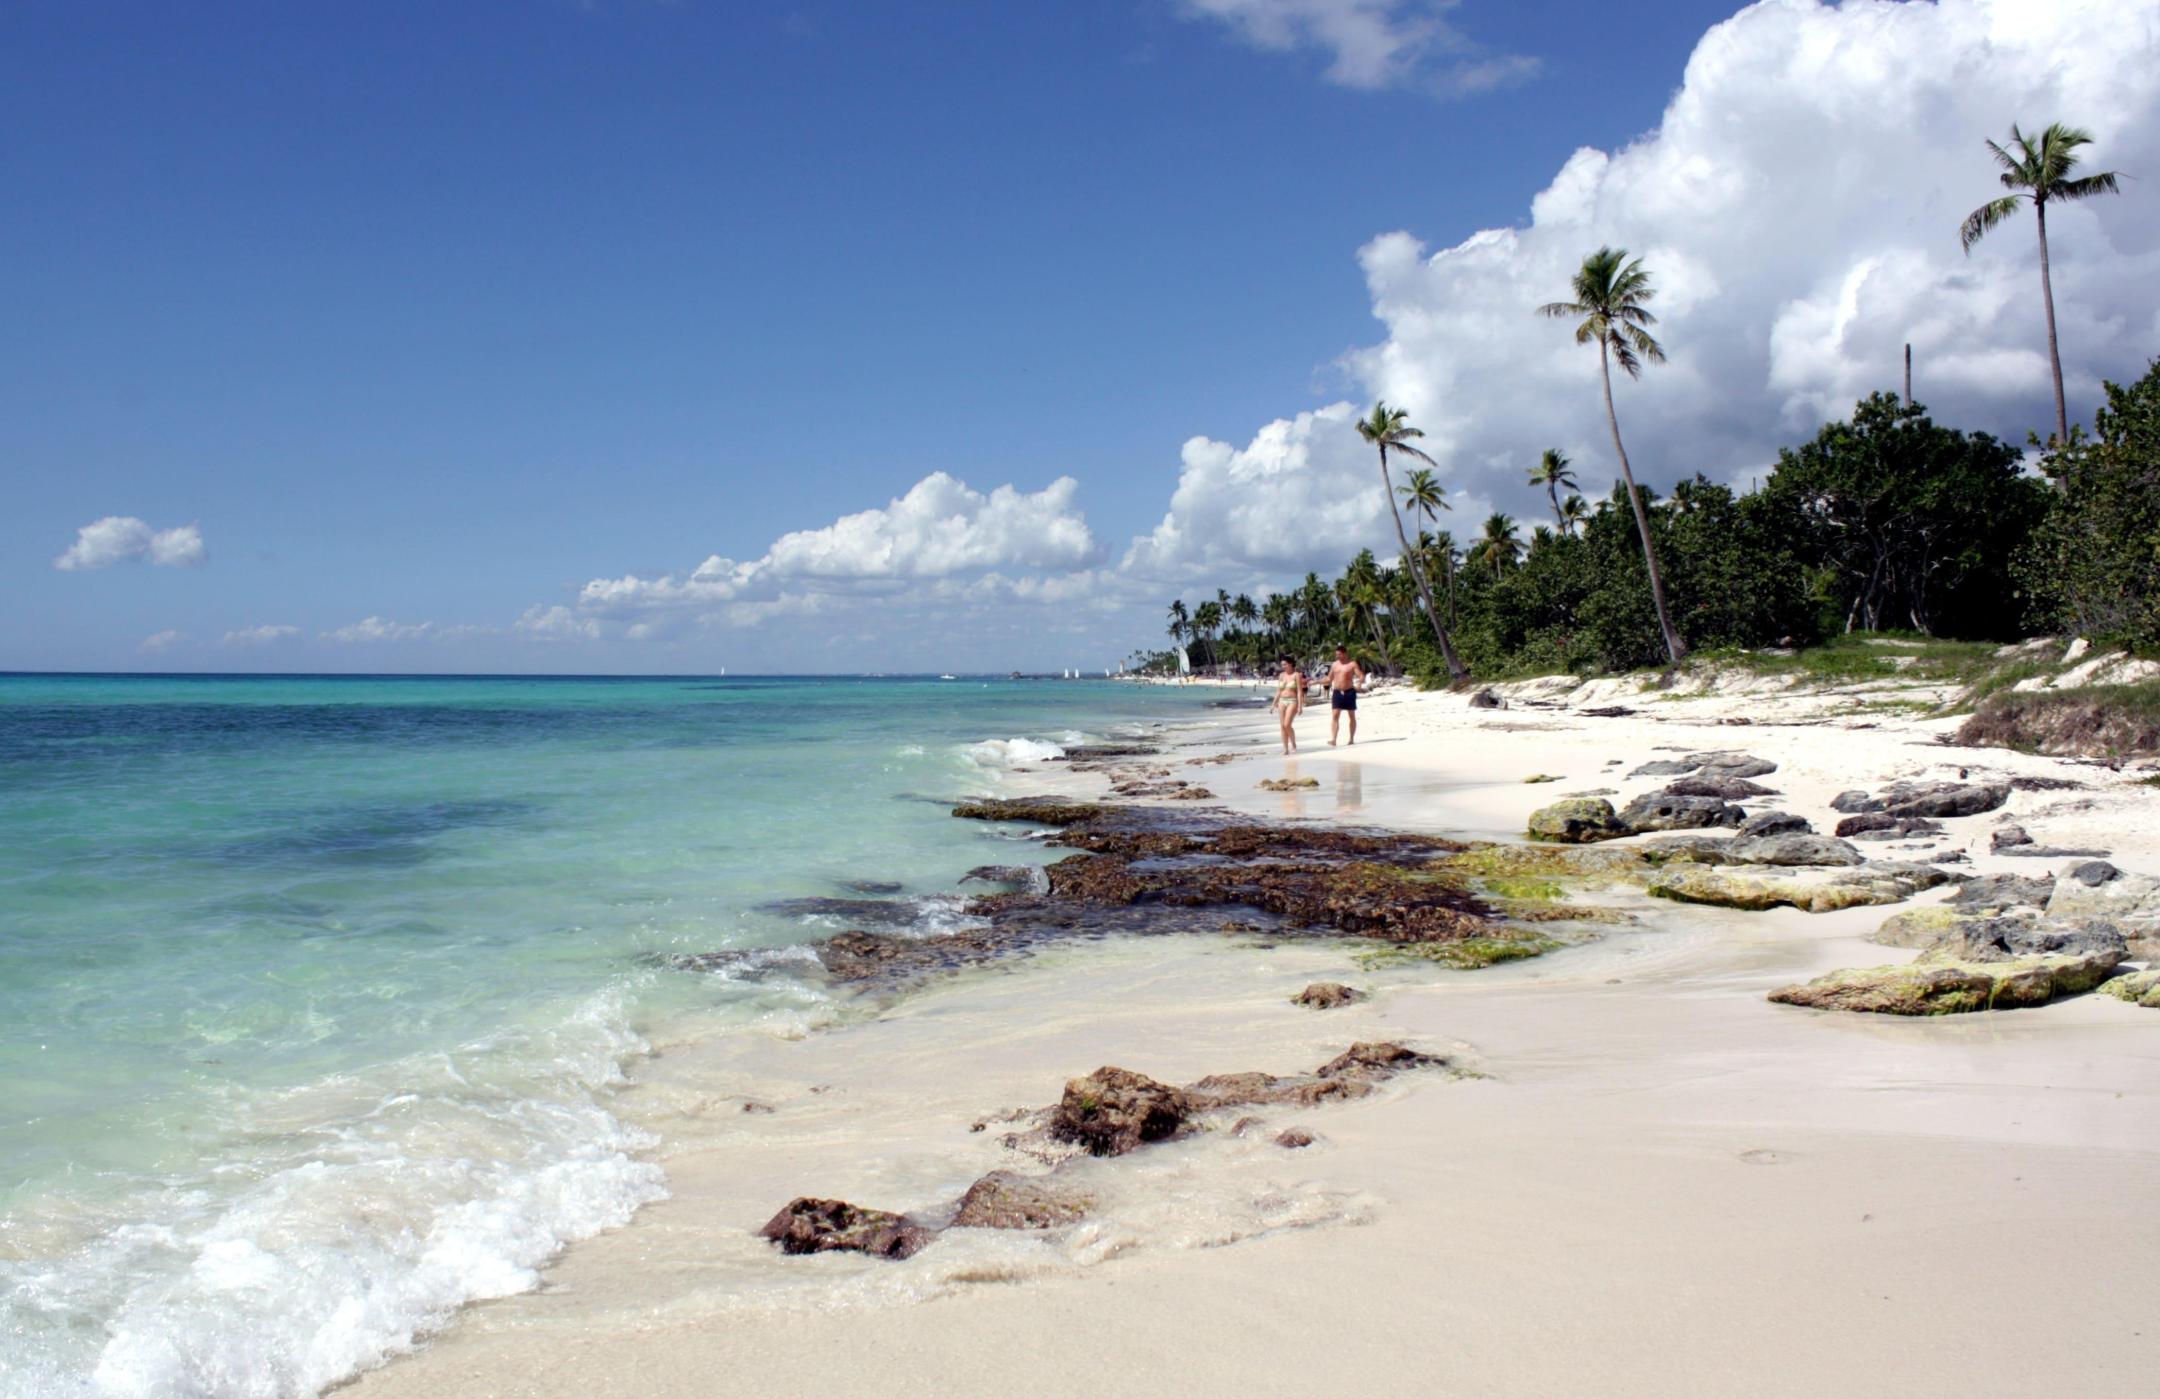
(1344, 678)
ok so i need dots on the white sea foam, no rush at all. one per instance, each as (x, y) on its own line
(299, 1258)
(1013, 752)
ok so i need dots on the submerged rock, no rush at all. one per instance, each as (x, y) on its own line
(810, 1225)
(1265, 1090)
(1011, 876)
(1662, 811)
(1009, 1200)
(1376, 1059)
(1942, 986)
(1288, 784)
(1113, 1110)
(1327, 995)
(1576, 821)
(1293, 1138)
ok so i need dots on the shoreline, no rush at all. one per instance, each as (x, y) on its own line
(1654, 1153)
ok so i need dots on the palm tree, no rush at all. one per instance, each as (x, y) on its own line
(1206, 618)
(2041, 167)
(1573, 514)
(1609, 296)
(1389, 429)
(1180, 623)
(1276, 612)
(1552, 473)
(1244, 610)
(1422, 496)
(1498, 545)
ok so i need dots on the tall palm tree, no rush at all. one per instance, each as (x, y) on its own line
(1244, 610)
(1498, 545)
(2040, 166)
(1389, 429)
(1609, 296)
(1180, 622)
(1573, 514)
(1552, 473)
(1277, 611)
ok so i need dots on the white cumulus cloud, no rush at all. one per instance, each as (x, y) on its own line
(1371, 43)
(1798, 208)
(940, 528)
(164, 640)
(123, 538)
(258, 636)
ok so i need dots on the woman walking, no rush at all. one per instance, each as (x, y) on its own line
(1289, 702)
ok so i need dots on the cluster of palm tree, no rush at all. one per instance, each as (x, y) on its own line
(1609, 304)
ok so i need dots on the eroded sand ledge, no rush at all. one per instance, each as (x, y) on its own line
(1666, 1184)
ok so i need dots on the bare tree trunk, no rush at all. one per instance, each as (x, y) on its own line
(1552, 493)
(1456, 669)
(1674, 646)
(2047, 294)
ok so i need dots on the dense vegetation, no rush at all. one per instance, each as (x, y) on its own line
(1887, 520)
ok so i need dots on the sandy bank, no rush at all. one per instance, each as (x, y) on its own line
(1665, 1184)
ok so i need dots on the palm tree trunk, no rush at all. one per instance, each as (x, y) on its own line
(1456, 670)
(1552, 492)
(1373, 616)
(2047, 295)
(1674, 647)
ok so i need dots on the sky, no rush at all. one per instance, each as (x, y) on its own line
(575, 336)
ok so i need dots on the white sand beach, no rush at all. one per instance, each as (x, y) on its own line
(1657, 1181)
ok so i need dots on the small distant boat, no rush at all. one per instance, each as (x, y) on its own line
(948, 677)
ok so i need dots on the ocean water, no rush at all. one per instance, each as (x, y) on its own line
(314, 991)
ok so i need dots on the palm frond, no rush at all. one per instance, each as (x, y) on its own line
(2085, 188)
(1984, 218)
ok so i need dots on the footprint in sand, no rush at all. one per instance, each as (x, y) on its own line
(1763, 1156)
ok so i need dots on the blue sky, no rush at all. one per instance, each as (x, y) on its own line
(434, 314)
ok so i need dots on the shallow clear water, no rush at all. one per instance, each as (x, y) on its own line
(314, 991)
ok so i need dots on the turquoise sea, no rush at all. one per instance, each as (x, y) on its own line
(314, 990)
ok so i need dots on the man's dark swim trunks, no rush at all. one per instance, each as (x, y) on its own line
(1345, 699)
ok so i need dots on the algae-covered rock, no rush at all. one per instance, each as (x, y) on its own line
(1729, 887)
(1009, 1200)
(1576, 821)
(1607, 863)
(2007, 939)
(1918, 927)
(1288, 784)
(809, 1225)
(1327, 995)
(1040, 811)
(2138, 988)
(1942, 986)
(1113, 1110)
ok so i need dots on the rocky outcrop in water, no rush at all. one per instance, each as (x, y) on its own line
(1009, 1200)
(1112, 1111)
(810, 1225)
(1327, 995)
(1727, 887)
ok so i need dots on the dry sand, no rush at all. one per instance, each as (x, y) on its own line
(1663, 1185)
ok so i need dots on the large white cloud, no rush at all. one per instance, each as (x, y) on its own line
(1798, 208)
(122, 538)
(1372, 43)
(939, 529)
